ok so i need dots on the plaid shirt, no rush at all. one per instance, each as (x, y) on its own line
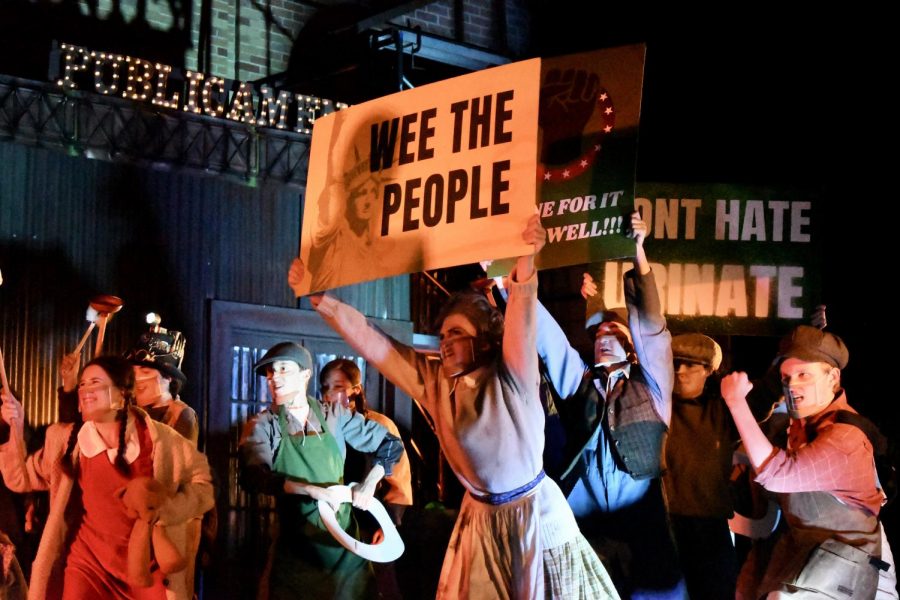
(825, 456)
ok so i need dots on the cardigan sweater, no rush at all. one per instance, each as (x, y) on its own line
(177, 465)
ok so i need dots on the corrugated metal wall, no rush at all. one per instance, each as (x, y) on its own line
(162, 241)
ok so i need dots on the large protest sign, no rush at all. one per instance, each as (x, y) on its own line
(431, 177)
(589, 113)
(727, 259)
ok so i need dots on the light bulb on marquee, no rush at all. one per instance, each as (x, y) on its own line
(201, 94)
(193, 82)
(75, 58)
(162, 79)
(138, 85)
(207, 101)
(273, 112)
(307, 108)
(242, 105)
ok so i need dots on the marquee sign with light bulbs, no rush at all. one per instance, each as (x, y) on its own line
(76, 67)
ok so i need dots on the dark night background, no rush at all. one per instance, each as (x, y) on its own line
(751, 96)
(755, 99)
(759, 97)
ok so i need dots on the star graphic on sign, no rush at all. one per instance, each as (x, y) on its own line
(590, 154)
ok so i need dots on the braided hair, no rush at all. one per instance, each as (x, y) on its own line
(121, 373)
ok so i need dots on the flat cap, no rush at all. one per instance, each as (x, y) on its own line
(609, 315)
(284, 351)
(698, 349)
(814, 345)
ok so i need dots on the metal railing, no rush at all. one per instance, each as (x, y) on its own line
(114, 129)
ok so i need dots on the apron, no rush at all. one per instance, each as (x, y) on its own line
(306, 556)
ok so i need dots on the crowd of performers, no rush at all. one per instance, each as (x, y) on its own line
(607, 479)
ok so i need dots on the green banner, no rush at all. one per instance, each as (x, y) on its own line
(728, 259)
(589, 114)
(588, 118)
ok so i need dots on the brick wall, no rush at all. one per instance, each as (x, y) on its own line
(438, 18)
(481, 23)
(248, 44)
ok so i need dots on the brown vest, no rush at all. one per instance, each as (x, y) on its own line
(819, 528)
(637, 434)
(827, 546)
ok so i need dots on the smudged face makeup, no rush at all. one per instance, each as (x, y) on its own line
(287, 382)
(608, 349)
(150, 386)
(338, 388)
(689, 379)
(457, 343)
(98, 398)
(808, 386)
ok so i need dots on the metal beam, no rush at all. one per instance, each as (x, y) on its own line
(449, 52)
(113, 129)
(389, 11)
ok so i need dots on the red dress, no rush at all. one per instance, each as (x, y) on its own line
(97, 562)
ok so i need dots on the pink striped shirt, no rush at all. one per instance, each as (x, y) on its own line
(838, 460)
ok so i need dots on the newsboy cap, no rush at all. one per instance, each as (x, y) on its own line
(618, 315)
(698, 349)
(814, 345)
(284, 351)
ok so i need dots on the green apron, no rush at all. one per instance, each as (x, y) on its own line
(307, 558)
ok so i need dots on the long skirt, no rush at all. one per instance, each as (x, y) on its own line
(496, 552)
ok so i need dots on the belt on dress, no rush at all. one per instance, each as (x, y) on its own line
(504, 497)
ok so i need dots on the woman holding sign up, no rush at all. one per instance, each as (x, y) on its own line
(515, 536)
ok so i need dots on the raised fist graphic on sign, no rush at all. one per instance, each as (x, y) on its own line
(568, 99)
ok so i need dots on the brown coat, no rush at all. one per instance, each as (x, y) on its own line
(183, 471)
